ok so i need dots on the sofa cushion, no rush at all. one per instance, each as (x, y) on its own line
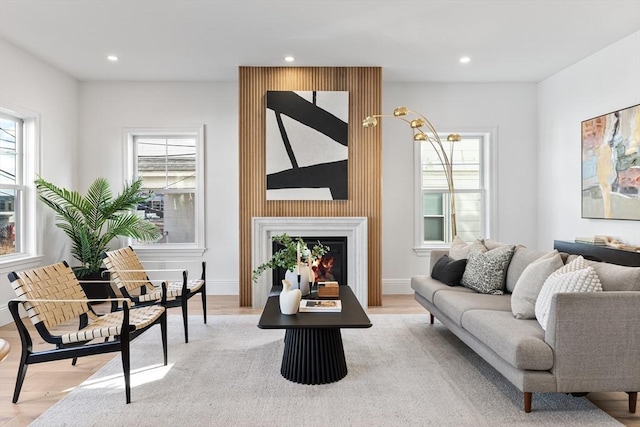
(519, 342)
(427, 287)
(461, 249)
(493, 244)
(576, 276)
(522, 257)
(454, 304)
(523, 298)
(486, 271)
(448, 270)
(617, 277)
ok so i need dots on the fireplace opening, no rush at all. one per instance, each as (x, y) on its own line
(330, 267)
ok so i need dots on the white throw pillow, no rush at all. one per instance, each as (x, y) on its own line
(525, 293)
(576, 276)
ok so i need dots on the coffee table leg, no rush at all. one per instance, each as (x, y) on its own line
(313, 356)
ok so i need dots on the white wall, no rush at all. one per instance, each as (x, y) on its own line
(30, 85)
(606, 81)
(507, 109)
(106, 109)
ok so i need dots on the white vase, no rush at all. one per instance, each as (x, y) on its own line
(292, 277)
(289, 298)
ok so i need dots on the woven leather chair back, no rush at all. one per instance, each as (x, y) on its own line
(53, 282)
(120, 263)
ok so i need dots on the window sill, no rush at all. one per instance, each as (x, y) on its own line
(169, 251)
(20, 262)
(425, 251)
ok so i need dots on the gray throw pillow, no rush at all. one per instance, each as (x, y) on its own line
(461, 249)
(525, 293)
(486, 271)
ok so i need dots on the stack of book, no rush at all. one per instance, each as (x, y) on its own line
(595, 240)
(317, 306)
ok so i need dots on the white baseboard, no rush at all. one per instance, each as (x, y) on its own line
(396, 286)
(5, 316)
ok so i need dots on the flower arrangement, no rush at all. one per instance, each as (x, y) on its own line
(294, 254)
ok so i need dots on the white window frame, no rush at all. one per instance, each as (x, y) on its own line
(28, 219)
(489, 189)
(166, 250)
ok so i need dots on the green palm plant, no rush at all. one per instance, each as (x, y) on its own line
(94, 220)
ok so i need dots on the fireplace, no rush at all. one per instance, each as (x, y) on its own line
(331, 267)
(354, 229)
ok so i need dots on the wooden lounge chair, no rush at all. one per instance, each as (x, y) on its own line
(53, 298)
(128, 274)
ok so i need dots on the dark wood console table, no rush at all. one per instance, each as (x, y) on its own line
(599, 253)
(313, 350)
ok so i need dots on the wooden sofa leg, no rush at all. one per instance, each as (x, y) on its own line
(431, 318)
(633, 400)
(527, 401)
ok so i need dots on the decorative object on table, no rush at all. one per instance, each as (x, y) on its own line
(429, 134)
(94, 220)
(300, 278)
(328, 290)
(307, 145)
(320, 306)
(289, 298)
(296, 257)
(611, 165)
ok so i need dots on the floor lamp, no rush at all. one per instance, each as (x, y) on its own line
(423, 130)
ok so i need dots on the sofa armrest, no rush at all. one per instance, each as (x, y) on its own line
(595, 337)
(434, 256)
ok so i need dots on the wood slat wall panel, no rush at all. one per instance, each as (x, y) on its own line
(365, 158)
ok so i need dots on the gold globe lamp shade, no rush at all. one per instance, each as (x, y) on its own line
(369, 122)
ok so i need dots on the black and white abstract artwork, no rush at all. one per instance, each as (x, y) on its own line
(307, 145)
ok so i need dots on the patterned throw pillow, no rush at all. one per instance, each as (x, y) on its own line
(486, 271)
(576, 276)
(449, 271)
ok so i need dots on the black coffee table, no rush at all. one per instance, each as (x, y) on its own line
(313, 350)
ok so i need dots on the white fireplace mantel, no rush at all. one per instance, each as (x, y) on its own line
(355, 229)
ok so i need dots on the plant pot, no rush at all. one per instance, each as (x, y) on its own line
(97, 290)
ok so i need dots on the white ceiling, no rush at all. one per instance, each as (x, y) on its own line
(508, 40)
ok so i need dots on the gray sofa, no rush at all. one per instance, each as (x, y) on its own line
(592, 341)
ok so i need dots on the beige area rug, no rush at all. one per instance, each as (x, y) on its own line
(402, 372)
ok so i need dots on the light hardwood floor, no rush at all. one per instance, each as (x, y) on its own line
(47, 383)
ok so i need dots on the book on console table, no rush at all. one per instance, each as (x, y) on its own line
(596, 240)
(320, 306)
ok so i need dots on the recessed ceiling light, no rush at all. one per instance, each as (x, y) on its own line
(112, 58)
(289, 58)
(465, 59)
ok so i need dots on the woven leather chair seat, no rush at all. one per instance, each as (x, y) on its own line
(174, 290)
(110, 324)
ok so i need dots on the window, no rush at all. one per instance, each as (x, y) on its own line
(470, 166)
(18, 163)
(170, 165)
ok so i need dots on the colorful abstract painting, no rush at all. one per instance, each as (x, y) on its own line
(307, 145)
(611, 165)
